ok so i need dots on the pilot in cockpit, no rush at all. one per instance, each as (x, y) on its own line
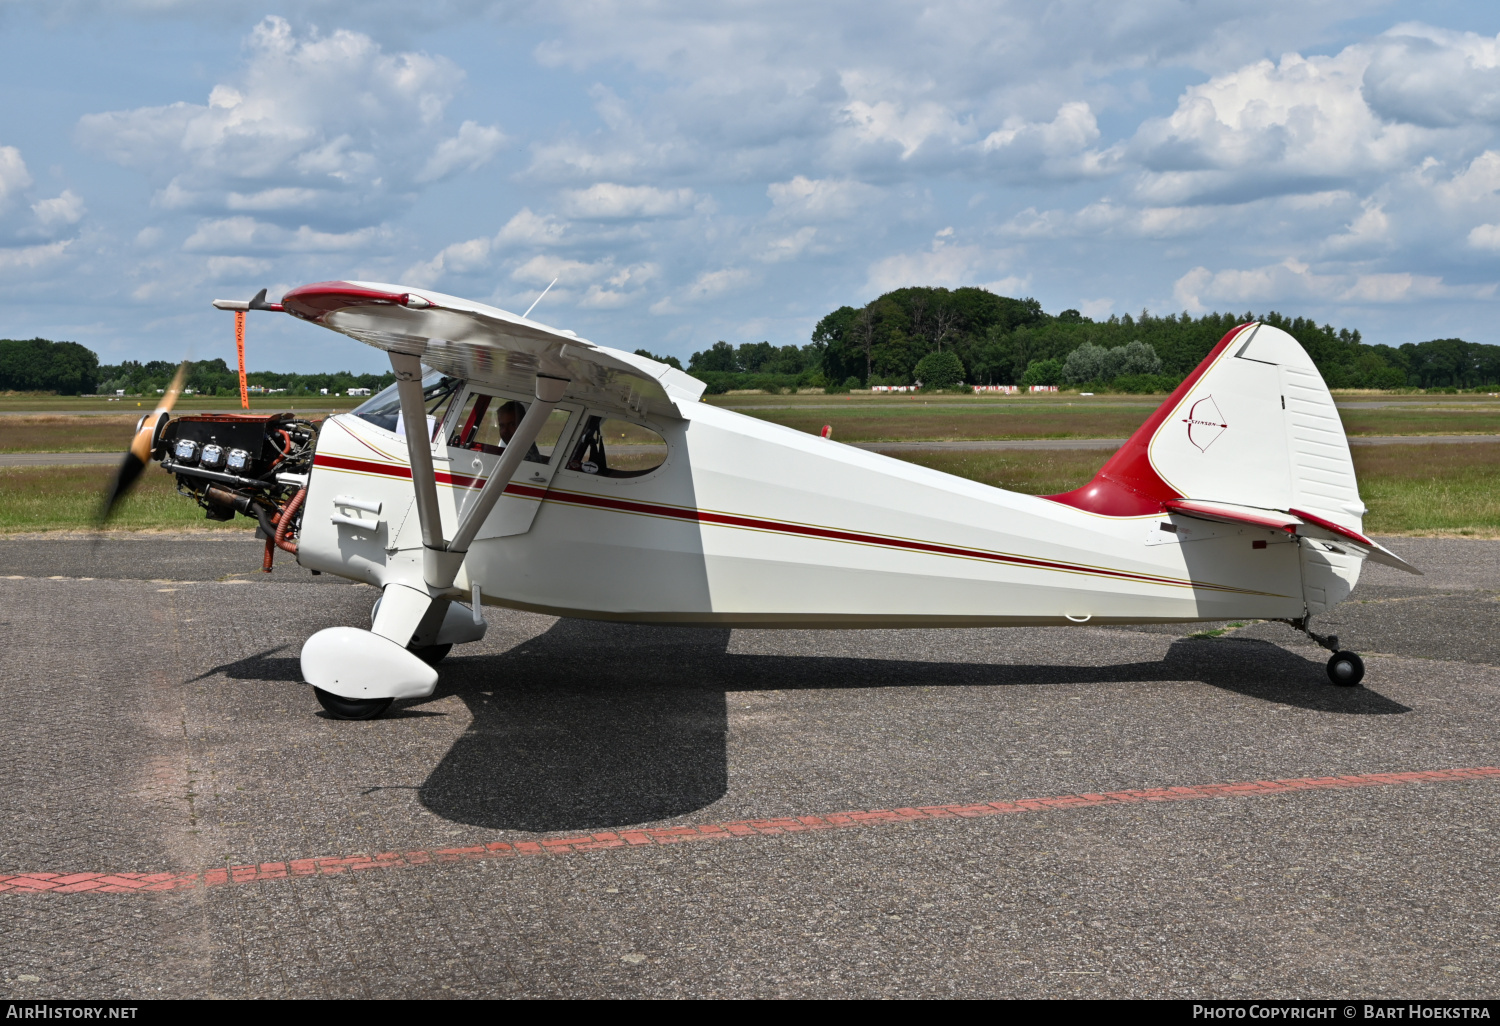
(507, 420)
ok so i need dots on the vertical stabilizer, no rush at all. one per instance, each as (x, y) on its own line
(1253, 425)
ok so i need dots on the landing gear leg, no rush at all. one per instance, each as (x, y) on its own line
(341, 708)
(1345, 668)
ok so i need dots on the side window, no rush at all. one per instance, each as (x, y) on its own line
(486, 423)
(475, 428)
(546, 442)
(617, 448)
(438, 408)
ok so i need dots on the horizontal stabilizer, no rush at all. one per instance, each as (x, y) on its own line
(1381, 554)
(1378, 552)
(1229, 513)
(1298, 522)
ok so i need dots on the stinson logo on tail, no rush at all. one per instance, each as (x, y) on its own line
(1205, 423)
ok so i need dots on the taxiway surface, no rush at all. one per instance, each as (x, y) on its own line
(154, 725)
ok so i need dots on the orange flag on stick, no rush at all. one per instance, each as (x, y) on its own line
(239, 345)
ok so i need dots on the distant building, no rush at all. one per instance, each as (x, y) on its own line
(358, 391)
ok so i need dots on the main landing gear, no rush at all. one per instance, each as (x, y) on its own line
(341, 708)
(1344, 668)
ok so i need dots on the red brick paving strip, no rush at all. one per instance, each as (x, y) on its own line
(73, 883)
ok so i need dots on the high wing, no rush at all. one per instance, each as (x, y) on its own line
(482, 343)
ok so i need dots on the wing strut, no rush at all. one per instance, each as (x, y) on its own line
(408, 370)
(441, 558)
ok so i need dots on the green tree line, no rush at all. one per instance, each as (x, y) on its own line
(998, 340)
(37, 365)
(936, 335)
(215, 377)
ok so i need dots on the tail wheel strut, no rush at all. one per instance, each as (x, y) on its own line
(1345, 668)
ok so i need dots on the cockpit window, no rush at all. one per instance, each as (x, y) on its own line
(384, 408)
(486, 423)
(617, 448)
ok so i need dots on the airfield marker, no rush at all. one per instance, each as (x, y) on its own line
(115, 883)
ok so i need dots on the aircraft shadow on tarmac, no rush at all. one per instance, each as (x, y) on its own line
(596, 725)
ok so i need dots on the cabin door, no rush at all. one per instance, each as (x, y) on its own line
(474, 446)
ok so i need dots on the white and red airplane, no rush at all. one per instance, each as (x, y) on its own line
(518, 465)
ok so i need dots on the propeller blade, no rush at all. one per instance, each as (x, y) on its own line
(147, 431)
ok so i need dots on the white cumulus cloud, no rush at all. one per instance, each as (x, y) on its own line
(1291, 279)
(1434, 77)
(820, 199)
(329, 128)
(942, 263)
(66, 208)
(1299, 125)
(13, 174)
(608, 200)
(469, 150)
(28, 258)
(232, 235)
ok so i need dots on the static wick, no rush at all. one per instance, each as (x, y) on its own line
(538, 299)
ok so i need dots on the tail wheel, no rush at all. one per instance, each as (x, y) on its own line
(341, 708)
(1346, 669)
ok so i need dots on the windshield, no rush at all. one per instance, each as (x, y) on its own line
(384, 408)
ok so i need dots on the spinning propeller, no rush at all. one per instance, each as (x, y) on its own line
(147, 434)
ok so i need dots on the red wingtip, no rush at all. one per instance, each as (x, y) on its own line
(316, 301)
(1128, 485)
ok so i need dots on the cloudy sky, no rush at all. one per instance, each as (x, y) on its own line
(691, 172)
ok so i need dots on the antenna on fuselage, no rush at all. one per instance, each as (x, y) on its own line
(538, 300)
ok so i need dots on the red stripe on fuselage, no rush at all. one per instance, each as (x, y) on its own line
(403, 471)
(733, 520)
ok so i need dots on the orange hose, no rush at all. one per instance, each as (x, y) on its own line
(284, 453)
(270, 555)
(284, 522)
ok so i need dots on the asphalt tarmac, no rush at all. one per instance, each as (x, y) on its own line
(155, 725)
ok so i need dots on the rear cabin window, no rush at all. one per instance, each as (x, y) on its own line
(486, 419)
(617, 448)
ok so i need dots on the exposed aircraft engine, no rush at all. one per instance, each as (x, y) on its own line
(254, 465)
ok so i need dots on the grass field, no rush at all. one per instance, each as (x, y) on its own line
(1410, 489)
(65, 432)
(998, 420)
(104, 433)
(68, 499)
